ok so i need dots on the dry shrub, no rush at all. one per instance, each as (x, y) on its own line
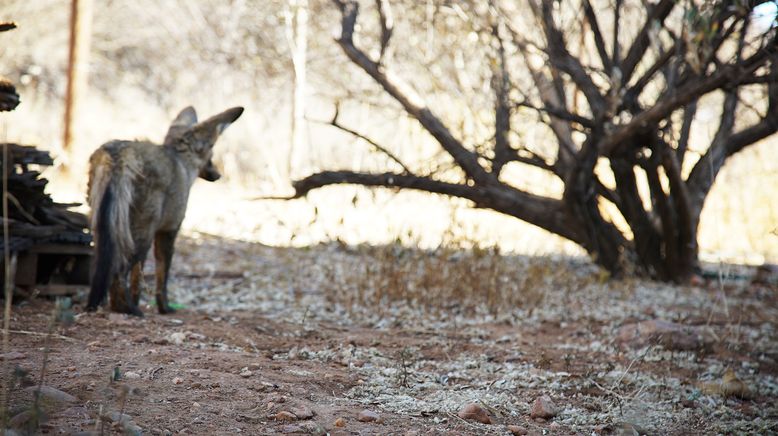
(450, 278)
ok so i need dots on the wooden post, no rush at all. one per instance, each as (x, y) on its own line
(78, 64)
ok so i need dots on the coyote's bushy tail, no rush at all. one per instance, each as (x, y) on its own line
(111, 180)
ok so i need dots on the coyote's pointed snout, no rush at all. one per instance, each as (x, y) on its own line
(138, 193)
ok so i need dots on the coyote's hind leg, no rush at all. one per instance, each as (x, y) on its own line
(163, 254)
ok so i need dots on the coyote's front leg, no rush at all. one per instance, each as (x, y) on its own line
(163, 254)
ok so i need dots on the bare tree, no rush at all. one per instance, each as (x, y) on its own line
(620, 104)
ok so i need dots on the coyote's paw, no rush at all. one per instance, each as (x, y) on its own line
(165, 310)
(135, 311)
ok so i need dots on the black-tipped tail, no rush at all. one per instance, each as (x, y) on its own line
(105, 252)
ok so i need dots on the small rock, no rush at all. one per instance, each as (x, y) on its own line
(131, 375)
(368, 416)
(177, 338)
(340, 422)
(80, 412)
(196, 405)
(697, 280)
(276, 398)
(729, 386)
(22, 420)
(12, 355)
(53, 394)
(291, 428)
(177, 380)
(670, 335)
(285, 416)
(474, 412)
(303, 412)
(121, 418)
(544, 408)
(517, 430)
(245, 373)
(313, 428)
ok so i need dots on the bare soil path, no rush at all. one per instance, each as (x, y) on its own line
(300, 341)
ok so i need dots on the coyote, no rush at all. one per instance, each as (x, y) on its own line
(138, 193)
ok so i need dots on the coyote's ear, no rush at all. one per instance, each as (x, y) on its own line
(187, 117)
(184, 120)
(209, 130)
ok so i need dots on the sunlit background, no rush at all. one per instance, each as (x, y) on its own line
(149, 59)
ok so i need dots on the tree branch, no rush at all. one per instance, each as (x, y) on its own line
(546, 213)
(561, 58)
(403, 94)
(334, 123)
(502, 109)
(633, 92)
(662, 109)
(560, 113)
(657, 13)
(550, 99)
(387, 25)
(686, 127)
(599, 42)
(725, 143)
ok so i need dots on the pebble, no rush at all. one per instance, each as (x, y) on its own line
(12, 355)
(21, 419)
(285, 416)
(53, 394)
(245, 373)
(517, 430)
(291, 428)
(177, 338)
(670, 335)
(303, 412)
(544, 408)
(177, 380)
(368, 416)
(131, 375)
(474, 412)
(340, 422)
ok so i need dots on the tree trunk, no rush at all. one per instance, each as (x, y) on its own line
(297, 32)
(78, 64)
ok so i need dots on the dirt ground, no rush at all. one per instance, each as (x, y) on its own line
(300, 341)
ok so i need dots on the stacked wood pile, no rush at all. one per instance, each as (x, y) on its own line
(34, 218)
(49, 244)
(9, 99)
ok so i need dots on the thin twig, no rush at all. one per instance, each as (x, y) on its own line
(334, 122)
(26, 332)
